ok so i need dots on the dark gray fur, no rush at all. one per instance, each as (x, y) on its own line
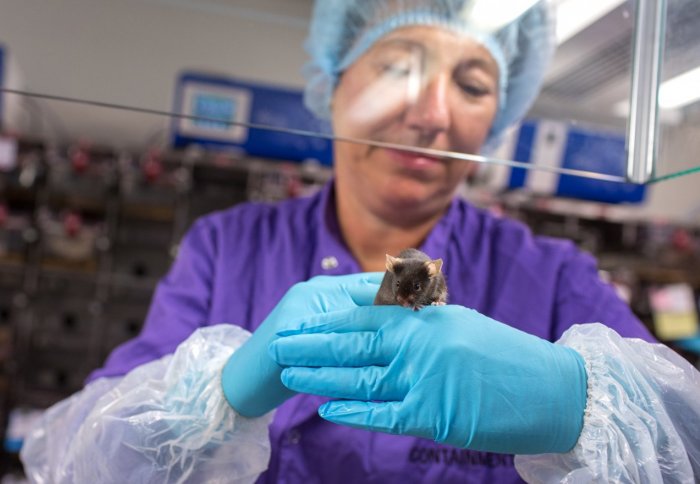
(400, 284)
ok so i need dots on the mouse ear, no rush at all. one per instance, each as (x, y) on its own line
(434, 267)
(391, 262)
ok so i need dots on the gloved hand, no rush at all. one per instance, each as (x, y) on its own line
(445, 373)
(250, 378)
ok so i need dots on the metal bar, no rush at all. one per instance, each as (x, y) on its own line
(450, 155)
(642, 127)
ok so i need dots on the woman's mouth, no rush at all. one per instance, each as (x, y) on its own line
(414, 161)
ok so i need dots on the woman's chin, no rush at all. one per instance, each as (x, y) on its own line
(397, 191)
(417, 189)
(412, 196)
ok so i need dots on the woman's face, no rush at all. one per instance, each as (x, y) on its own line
(417, 86)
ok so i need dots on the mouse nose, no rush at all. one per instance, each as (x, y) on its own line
(403, 301)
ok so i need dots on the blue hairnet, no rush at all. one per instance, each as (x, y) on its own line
(342, 30)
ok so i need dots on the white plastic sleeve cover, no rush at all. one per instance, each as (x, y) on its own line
(642, 417)
(165, 421)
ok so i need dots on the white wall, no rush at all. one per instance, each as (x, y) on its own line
(130, 52)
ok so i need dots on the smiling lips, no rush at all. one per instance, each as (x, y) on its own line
(414, 161)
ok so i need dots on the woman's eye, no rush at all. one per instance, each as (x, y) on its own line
(473, 90)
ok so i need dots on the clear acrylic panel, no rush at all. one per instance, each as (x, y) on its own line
(417, 98)
(678, 140)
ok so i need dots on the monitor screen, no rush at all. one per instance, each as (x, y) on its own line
(213, 107)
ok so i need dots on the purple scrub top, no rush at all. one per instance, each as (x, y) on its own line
(235, 265)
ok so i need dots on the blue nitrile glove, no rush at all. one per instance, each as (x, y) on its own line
(250, 378)
(445, 373)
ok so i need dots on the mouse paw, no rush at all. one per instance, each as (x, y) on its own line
(438, 303)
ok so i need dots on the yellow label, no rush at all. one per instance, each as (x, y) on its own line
(670, 326)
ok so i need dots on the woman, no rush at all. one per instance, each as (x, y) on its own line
(483, 383)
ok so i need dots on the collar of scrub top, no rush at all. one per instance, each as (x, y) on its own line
(332, 256)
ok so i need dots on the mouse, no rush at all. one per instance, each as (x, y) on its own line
(412, 280)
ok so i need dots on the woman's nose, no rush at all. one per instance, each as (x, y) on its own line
(429, 111)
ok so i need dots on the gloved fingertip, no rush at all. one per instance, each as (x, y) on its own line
(273, 350)
(333, 411)
(374, 277)
(323, 410)
(285, 377)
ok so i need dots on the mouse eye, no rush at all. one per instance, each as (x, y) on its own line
(416, 286)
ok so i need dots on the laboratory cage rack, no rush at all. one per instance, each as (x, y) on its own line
(86, 232)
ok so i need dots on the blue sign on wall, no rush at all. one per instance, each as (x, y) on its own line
(577, 149)
(231, 100)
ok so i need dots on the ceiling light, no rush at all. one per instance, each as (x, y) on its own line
(668, 116)
(681, 90)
